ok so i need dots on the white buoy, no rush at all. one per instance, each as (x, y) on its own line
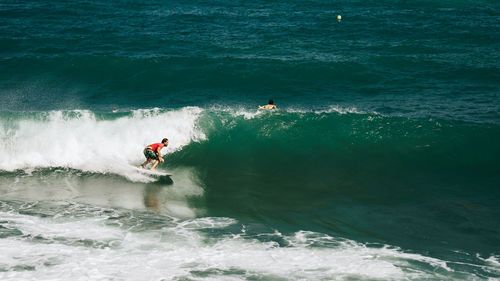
(339, 17)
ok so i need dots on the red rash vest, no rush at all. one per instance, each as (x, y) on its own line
(156, 146)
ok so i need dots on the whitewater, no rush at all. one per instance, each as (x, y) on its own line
(78, 140)
(81, 242)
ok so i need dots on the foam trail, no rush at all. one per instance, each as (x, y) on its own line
(78, 140)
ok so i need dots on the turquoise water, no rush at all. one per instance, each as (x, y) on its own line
(379, 164)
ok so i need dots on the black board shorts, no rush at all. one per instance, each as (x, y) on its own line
(150, 154)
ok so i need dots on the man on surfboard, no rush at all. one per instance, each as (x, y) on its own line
(270, 105)
(152, 152)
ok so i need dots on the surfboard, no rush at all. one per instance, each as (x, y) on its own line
(154, 173)
(159, 177)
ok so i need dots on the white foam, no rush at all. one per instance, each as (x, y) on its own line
(493, 260)
(182, 250)
(238, 111)
(250, 114)
(344, 110)
(57, 228)
(492, 264)
(76, 139)
(330, 109)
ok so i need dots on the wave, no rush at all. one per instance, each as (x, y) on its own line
(345, 133)
(228, 138)
(83, 140)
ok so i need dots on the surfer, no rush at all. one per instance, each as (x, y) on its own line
(270, 105)
(152, 152)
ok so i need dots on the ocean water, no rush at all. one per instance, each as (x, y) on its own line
(381, 162)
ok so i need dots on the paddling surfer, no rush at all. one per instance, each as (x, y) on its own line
(153, 152)
(270, 105)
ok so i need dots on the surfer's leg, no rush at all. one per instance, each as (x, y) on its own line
(155, 164)
(143, 165)
(150, 156)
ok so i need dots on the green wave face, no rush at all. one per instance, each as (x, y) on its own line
(323, 144)
(364, 175)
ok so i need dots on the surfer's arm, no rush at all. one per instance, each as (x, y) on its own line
(159, 156)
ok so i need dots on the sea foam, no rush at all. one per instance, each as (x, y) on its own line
(183, 250)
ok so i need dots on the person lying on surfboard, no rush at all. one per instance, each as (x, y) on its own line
(152, 152)
(270, 105)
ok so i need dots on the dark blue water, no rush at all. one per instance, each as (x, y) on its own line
(380, 162)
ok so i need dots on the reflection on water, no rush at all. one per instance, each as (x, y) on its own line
(163, 195)
(151, 198)
(152, 193)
